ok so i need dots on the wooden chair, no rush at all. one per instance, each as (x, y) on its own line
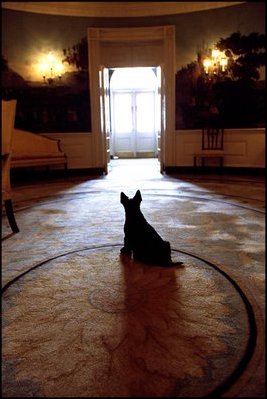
(8, 120)
(212, 145)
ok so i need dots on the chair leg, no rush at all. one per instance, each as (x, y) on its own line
(11, 216)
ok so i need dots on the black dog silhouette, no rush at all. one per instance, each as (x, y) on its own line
(141, 238)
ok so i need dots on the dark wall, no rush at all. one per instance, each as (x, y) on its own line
(26, 33)
(67, 107)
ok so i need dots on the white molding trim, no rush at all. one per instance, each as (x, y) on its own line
(115, 9)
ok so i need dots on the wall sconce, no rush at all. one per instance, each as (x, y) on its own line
(51, 70)
(216, 64)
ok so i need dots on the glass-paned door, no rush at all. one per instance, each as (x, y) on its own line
(133, 122)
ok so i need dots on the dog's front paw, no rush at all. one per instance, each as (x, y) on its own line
(126, 251)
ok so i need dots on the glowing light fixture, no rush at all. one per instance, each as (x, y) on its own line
(206, 64)
(51, 69)
(215, 64)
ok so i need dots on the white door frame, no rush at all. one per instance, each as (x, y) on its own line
(132, 47)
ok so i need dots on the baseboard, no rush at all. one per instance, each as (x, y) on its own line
(215, 169)
(30, 174)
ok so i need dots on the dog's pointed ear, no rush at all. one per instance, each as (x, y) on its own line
(138, 196)
(124, 198)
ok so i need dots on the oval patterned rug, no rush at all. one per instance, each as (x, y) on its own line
(93, 323)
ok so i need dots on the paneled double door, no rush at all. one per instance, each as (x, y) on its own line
(134, 123)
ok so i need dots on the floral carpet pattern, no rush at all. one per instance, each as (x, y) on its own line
(80, 320)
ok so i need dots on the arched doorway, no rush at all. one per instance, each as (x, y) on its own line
(134, 111)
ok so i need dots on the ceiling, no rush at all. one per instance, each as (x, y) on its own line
(116, 9)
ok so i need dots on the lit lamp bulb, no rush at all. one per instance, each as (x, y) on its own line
(223, 63)
(207, 65)
(215, 54)
(44, 68)
(59, 70)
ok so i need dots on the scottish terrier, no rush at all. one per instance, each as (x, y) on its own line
(141, 239)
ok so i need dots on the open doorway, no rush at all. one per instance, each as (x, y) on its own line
(134, 112)
(111, 48)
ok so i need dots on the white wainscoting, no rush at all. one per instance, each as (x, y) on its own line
(79, 149)
(243, 147)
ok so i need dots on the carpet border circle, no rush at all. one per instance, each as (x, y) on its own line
(250, 351)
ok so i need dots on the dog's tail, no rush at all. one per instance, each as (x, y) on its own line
(172, 264)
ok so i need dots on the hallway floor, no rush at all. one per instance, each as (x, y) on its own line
(79, 320)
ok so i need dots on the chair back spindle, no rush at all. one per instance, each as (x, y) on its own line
(212, 139)
(212, 145)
